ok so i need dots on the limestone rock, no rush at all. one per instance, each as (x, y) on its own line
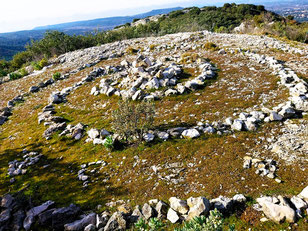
(178, 205)
(223, 204)
(79, 225)
(274, 116)
(62, 216)
(278, 213)
(148, 211)
(93, 133)
(116, 222)
(172, 216)
(161, 209)
(32, 213)
(149, 137)
(304, 194)
(190, 133)
(198, 206)
(237, 125)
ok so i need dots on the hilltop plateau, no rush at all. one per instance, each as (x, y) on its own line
(222, 132)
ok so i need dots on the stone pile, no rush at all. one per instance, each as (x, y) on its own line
(75, 132)
(263, 167)
(20, 167)
(292, 144)
(16, 216)
(7, 111)
(71, 218)
(145, 75)
(97, 136)
(32, 89)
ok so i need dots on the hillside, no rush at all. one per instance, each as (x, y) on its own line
(230, 127)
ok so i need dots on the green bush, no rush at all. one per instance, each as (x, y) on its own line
(214, 222)
(108, 144)
(36, 66)
(131, 120)
(154, 224)
(56, 76)
(14, 76)
(23, 72)
(43, 62)
(2, 72)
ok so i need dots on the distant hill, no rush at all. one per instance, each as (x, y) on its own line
(14, 42)
(80, 27)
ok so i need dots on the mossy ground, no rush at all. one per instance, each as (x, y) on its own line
(217, 160)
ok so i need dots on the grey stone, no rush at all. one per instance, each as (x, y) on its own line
(223, 204)
(274, 116)
(116, 222)
(304, 194)
(176, 132)
(32, 213)
(149, 137)
(7, 201)
(161, 209)
(148, 211)
(163, 135)
(101, 220)
(34, 89)
(237, 125)
(136, 215)
(90, 227)
(64, 215)
(18, 218)
(79, 225)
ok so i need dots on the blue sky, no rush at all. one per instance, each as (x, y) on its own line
(27, 14)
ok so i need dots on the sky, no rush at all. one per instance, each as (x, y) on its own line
(26, 14)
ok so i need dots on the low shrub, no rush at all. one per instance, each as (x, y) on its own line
(210, 46)
(23, 72)
(154, 224)
(43, 63)
(108, 143)
(132, 120)
(214, 222)
(152, 47)
(14, 76)
(56, 76)
(189, 57)
(131, 50)
(36, 66)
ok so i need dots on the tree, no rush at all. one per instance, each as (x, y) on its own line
(132, 120)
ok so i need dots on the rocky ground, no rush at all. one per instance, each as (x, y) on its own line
(230, 124)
